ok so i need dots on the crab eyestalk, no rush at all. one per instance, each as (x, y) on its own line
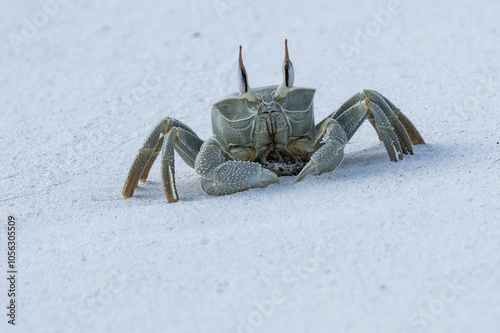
(288, 76)
(243, 86)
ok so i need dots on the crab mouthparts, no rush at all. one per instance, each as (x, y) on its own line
(281, 162)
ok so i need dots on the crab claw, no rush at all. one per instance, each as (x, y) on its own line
(331, 153)
(310, 167)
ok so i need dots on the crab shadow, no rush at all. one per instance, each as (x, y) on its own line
(373, 161)
(358, 164)
(189, 189)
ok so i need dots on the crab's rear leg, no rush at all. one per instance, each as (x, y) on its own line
(394, 129)
(414, 134)
(392, 134)
(222, 174)
(403, 126)
(149, 151)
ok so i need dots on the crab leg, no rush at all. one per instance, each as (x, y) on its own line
(148, 153)
(399, 129)
(353, 117)
(397, 135)
(222, 175)
(147, 168)
(386, 131)
(414, 134)
(403, 126)
(187, 146)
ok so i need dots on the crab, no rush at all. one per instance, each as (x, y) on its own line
(263, 133)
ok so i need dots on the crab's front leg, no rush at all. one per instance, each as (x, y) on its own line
(329, 144)
(222, 174)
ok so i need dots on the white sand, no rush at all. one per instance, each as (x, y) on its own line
(374, 246)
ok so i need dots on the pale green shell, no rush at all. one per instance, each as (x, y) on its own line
(235, 120)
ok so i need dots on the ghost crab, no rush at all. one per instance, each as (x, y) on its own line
(262, 133)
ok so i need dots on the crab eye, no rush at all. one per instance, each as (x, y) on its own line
(242, 76)
(243, 86)
(288, 72)
(288, 76)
